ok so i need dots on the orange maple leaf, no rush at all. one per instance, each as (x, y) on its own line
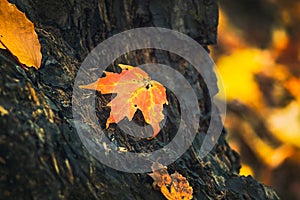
(135, 90)
(18, 36)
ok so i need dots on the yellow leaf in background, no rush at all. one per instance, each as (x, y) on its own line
(280, 41)
(246, 170)
(285, 124)
(237, 73)
(18, 35)
(293, 85)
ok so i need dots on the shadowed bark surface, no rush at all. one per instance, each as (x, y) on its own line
(41, 155)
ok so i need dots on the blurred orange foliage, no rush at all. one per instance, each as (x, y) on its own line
(262, 85)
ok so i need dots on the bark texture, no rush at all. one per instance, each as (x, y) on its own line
(42, 157)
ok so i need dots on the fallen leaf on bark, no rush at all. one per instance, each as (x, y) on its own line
(18, 36)
(174, 186)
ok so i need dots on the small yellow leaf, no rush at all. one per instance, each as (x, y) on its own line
(3, 111)
(18, 35)
(174, 186)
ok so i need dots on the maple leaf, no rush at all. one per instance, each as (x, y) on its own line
(135, 90)
(18, 36)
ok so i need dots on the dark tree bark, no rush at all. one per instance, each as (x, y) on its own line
(42, 157)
